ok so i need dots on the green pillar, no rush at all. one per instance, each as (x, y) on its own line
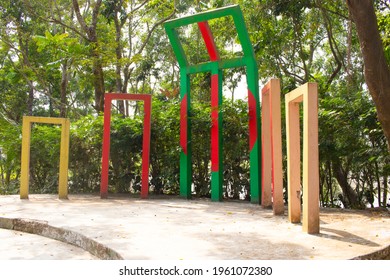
(254, 131)
(216, 135)
(185, 135)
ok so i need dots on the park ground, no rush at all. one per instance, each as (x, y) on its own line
(170, 228)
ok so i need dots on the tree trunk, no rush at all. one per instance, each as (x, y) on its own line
(350, 197)
(329, 182)
(91, 36)
(98, 82)
(376, 69)
(118, 52)
(24, 49)
(63, 89)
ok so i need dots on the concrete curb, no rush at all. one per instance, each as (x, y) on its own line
(64, 235)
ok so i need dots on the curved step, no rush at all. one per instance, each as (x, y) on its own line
(64, 235)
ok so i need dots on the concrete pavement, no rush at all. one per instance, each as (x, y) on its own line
(175, 229)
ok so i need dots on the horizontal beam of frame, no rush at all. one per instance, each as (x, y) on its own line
(297, 94)
(127, 96)
(224, 64)
(47, 120)
(204, 16)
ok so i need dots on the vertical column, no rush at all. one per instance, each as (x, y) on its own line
(276, 148)
(293, 162)
(254, 130)
(185, 135)
(271, 131)
(64, 160)
(146, 148)
(310, 220)
(106, 147)
(266, 167)
(25, 160)
(216, 135)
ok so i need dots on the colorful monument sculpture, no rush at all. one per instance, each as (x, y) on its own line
(215, 66)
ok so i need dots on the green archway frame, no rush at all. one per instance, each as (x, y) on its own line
(215, 66)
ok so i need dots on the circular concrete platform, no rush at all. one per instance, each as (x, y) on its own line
(174, 229)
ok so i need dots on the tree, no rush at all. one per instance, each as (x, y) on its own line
(90, 31)
(376, 68)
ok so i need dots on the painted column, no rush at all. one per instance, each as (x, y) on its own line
(146, 147)
(25, 160)
(254, 131)
(64, 161)
(105, 148)
(266, 167)
(216, 136)
(272, 175)
(311, 210)
(185, 135)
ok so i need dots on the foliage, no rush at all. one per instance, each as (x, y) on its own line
(50, 65)
(85, 154)
(9, 157)
(44, 158)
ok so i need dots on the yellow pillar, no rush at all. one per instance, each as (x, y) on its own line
(25, 160)
(64, 161)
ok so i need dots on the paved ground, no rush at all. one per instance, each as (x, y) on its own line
(176, 229)
(16, 245)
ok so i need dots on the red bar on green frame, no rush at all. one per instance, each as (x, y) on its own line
(214, 123)
(252, 120)
(208, 40)
(108, 97)
(183, 124)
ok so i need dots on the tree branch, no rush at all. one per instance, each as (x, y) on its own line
(80, 19)
(153, 28)
(54, 20)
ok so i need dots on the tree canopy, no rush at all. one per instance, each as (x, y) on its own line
(58, 58)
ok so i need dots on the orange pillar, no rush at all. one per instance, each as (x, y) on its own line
(271, 131)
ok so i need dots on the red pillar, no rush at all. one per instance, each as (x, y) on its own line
(146, 147)
(106, 147)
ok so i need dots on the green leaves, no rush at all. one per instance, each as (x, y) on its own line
(59, 46)
(384, 29)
